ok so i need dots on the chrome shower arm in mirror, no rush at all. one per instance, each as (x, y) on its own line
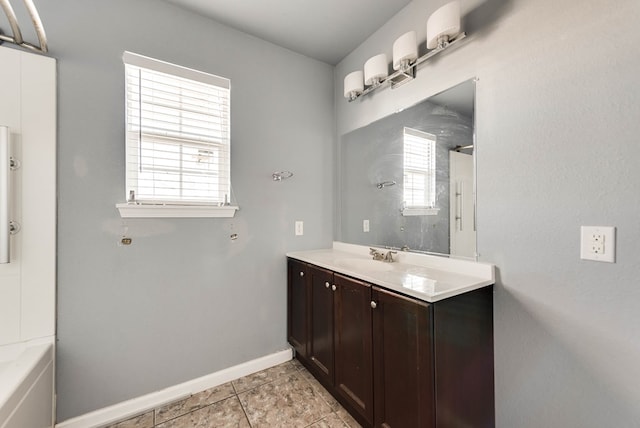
(384, 184)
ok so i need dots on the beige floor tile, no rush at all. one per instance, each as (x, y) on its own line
(265, 376)
(331, 421)
(196, 401)
(141, 421)
(283, 396)
(223, 414)
(297, 364)
(290, 401)
(320, 390)
(348, 419)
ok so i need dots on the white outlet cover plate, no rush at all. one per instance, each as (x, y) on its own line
(586, 243)
(299, 228)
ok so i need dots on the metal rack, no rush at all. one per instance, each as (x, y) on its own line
(15, 27)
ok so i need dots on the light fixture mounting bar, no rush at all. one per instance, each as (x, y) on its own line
(401, 77)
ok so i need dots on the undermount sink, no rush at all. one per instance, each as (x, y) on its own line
(365, 265)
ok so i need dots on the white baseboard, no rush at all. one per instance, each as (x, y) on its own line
(136, 406)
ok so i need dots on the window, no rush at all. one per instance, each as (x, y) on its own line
(177, 135)
(419, 173)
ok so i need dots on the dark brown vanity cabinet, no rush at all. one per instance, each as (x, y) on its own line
(321, 326)
(353, 344)
(394, 361)
(297, 302)
(403, 361)
(463, 360)
(340, 338)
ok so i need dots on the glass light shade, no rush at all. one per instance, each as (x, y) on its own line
(353, 84)
(405, 49)
(444, 22)
(375, 69)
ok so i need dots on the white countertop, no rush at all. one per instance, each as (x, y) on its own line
(428, 278)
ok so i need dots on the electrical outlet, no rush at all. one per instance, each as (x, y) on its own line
(598, 243)
(299, 228)
(365, 225)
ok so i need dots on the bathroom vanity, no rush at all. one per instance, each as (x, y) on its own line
(401, 344)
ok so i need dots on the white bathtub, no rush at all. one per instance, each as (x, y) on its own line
(26, 385)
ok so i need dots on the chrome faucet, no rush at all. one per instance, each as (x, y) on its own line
(377, 255)
(389, 256)
(384, 257)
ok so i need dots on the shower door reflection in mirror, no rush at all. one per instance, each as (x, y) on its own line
(407, 180)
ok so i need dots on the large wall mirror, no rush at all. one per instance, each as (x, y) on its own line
(407, 181)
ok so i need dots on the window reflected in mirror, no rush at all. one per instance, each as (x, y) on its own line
(419, 169)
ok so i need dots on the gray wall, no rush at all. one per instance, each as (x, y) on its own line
(557, 145)
(182, 301)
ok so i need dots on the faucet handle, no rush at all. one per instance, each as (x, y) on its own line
(389, 256)
(377, 255)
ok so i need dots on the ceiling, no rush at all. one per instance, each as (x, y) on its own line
(326, 30)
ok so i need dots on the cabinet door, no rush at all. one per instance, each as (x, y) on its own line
(403, 362)
(297, 307)
(353, 348)
(321, 338)
(463, 349)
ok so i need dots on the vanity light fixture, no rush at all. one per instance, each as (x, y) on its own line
(405, 51)
(376, 70)
(353, 85)
(443, 31)
(443, 25)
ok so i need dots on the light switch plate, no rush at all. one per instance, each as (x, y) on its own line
(365, 225)
(598, 243)
(299, 228)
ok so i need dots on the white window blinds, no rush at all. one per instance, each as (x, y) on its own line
(419, 169)
(177, 134)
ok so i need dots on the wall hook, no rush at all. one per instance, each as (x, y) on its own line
(281, 175)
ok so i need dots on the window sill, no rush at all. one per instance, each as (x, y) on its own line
(175, 211)
(420, 211)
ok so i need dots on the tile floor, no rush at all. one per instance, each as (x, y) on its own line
(282, 396)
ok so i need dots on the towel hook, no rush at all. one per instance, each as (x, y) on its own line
(281, 175)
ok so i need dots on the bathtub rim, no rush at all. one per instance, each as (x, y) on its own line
(21, 364)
